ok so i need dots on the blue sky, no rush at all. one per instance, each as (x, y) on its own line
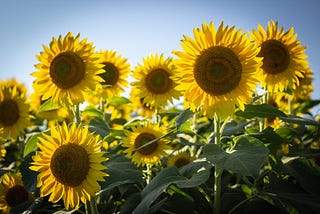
(138, 28)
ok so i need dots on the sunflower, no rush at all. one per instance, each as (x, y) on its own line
(139, 107)
(305, 87)
(14, 113)
(12, 191)
(283, 57)
(11, 83)
(180, 159)
(140, 135)
(69, 165)
(67, 69)
(154, 81)
(217, 69)
(116, 71)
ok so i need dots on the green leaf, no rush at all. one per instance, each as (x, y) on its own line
(286, 191)
(262, 110)
(300, 120)
(99, 126)
(121, 171)
(48, 105)
(183, 117)
(232, 127)
(245, 158)
(165, 178)
(307, 175)
(92, 112)
(31, 144)
(196, 180)
(29, 177)
(116, 101)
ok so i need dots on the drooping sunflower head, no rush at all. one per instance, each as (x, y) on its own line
(217, 69)
(180, 159)
(67, 69)
(12, 191)
(14, 113)
(139, 106)
(69, 164)
(284, 60)
(154, 81)
(141, 135)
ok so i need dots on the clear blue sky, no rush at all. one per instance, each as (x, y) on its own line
(137, 28)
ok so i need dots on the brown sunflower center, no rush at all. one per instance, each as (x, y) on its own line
(276, 57)
(70, 164)
(16, 195)
(158, 81)
(181, 162)
(67, 69)
(111, 74)
(9, 112)
(142, 139)
(217, 70)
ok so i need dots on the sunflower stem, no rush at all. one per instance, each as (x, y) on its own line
(148, 174)
(290, 104)
(91, 206)
(263, 121)
(102, 104)
(77, 114)
(217, 171)
(157, 115)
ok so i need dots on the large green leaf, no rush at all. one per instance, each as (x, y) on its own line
(99, 126)
(300, 120)
(307, 175)
(261, 110)
(92, 112)
(183, 117)
(289, 192)
(29, 177)
(48, 105)
(115, 101)
(121, 171)
(165, 178)
(31, 144)
(245, 158)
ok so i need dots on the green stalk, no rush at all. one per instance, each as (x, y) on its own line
(148, 174)
(217, 171)
(77, 114)
(91, 206)
(290, 104)
(263, 121)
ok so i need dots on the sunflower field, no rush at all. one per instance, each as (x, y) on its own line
(224, 125)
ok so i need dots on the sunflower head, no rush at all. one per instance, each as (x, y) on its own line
(116, 71)
(217, 69)
(284, 60)
(21, 89)
(180, 159)
(141, 135)
(12, 191)
(154, 81)
(139, 106)
(14, 112)
(304, 89)
(69, 164)
(67, 69)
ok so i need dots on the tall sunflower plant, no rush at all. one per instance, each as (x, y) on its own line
(224, 125)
